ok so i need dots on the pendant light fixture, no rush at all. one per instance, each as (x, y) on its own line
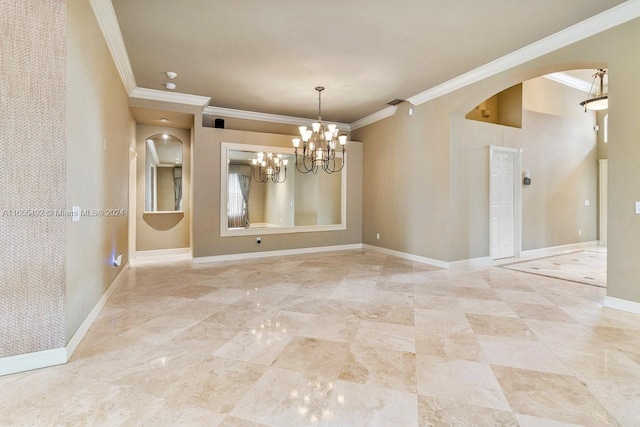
(319, 145)
(269, 168)
(599, 100)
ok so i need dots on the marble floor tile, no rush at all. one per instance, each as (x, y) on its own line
(553, 396)
(525, 354)
(489, 307)
(386, 335)
(283, 397)
(353, 404)
(349, 338)
(313, 356)
(390, 369)
(255, 346)
(333, 328)
(436, 412)
(460, 380)
(500, 326)
(541, 312)
(457, 345)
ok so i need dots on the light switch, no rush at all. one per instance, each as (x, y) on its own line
(637, 208)
(75, 214)
(587, 203)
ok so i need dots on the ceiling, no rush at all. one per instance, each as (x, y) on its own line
(253, 55)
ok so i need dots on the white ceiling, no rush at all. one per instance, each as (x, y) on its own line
(268, 56)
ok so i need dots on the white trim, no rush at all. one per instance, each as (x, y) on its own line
(569, 80)
(265, 254)
(174, 97)
(557, 250)
(622, 304)
(35, 360)
(410, 257)
(603, 196)
(371, 118)
(160, 256)
(265, 117)
(473, 262)
(108, 22)
(77, 337)
(610, 18)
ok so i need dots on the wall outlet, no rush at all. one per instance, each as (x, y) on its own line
(75, 214)
(378, 236)
(637, 208)
(579, 232)
(587, 203)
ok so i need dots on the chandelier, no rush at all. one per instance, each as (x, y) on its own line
(600, 100)
(319, 145)
(268, 168)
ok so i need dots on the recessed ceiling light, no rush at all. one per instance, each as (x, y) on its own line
(165, 136)
(170, 86)
(171, 74)
(164, 120)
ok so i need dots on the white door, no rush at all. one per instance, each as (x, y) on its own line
(502, 202)
(603, 201)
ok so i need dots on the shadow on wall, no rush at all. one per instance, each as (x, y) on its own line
(163, 222)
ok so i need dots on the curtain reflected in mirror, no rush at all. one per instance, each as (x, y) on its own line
(163, 174)
(299, 200)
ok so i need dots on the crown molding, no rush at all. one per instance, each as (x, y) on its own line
(265, 117)
(106, 17)
(571, 81)
(174, 97)
(596, 24)
(371, 118)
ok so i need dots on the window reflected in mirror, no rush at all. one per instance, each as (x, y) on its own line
(280, 203)
(163, 174)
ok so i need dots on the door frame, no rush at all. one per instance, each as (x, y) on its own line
(517, 197)
(603, 185)
(133, 171)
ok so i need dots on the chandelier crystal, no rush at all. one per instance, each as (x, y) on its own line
(319, 145)
(269, 167)
(600, 100)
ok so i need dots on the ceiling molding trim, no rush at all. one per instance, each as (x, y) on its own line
(571, 81)
(108, 22)
(265, 117)
(371, 118)
(596, 24)
(174, 97)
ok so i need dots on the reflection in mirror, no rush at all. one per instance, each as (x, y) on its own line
(163, 174)
(288, 203)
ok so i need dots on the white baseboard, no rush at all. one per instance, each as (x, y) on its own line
(410, 257)
(160, 256)
(622, 304)
(265, 254)
(557, 250)
(73, 343)
(35, 360)
(473, 262)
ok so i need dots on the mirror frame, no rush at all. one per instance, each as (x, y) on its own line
(224, 173)
(144, 200)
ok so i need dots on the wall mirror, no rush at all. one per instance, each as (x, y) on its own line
(163, 174)
(261, 192)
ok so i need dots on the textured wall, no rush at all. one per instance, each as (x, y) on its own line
(32, 165)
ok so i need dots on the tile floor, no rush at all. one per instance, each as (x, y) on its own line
(352, 338)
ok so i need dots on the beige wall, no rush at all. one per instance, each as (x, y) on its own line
(425, 212)
(32, 170)
(603, 148)
(100, 130)
(206, 207)
(156, 231)
(279, 201)
(257, 200)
